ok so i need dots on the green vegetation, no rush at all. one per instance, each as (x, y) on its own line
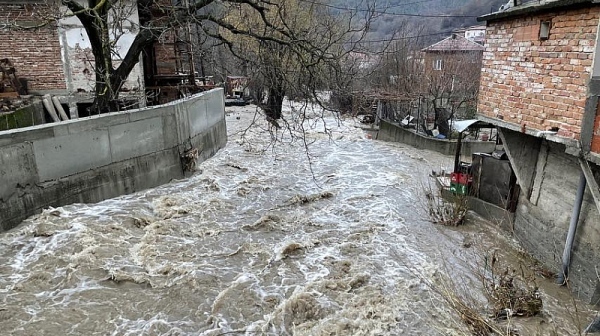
(22, 117)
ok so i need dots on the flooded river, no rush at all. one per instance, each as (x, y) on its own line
(265, 239)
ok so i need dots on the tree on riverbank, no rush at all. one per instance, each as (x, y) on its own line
(300, 51)
(286, 43)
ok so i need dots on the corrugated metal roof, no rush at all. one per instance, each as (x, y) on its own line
(455, 43)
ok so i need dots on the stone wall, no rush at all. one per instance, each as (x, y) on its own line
(535, 83)
(91, 159)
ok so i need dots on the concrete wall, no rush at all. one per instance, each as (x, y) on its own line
(542, 217)
(395, 133)
(95, 158)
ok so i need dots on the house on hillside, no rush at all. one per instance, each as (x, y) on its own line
(452, 68)
(454, 54)
(57, 59)
(473, 33)
(540, 84)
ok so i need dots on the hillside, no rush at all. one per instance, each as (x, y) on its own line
(390, 15)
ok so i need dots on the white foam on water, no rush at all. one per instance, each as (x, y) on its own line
(261, 240)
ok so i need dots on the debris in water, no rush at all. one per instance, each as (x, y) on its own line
(304, 199)
(189, 159)
(233, 165)
(359, 281)
(43, 230)
(119, 278)
(265, 222)
(290, 249)
(140, 222)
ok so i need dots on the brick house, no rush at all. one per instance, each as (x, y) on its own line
(540, 87)
(40, 63)
(57, 58)
(452, 69)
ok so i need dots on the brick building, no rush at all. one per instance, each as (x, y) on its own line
(452, 69)
(57, 58)
(453, 53)
(539, 85)
(40, 63)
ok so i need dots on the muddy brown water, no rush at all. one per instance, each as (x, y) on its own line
(262, 240)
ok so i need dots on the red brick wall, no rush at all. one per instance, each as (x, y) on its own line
(35, 53)
(453, 62)
(539, 84)
(165, 54)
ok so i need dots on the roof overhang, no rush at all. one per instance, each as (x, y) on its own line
(461, 125)
(535, 7)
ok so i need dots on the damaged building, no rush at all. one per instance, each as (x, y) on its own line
(54, 57)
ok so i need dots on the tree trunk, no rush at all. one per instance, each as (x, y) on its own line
(109, 81)
(105, 98)
(275, 102)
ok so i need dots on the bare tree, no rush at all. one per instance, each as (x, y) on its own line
(280, 35)
(400, 71)
(451, 84)
(311, 62)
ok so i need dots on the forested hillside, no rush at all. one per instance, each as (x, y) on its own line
(425, 17)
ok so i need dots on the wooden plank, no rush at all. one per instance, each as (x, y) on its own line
(539, 173)
(9, 95)
(591, 182)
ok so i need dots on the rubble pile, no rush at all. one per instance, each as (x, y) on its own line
(12, 104)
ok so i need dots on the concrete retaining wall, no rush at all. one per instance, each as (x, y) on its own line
(395, 133)
(542, 222)
(95, 158)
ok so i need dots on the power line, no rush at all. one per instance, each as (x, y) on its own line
(402, 38)
(408, 3)
(400, 5)
(375, 11)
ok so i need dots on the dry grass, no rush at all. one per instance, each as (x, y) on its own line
(510, 291)
(509, 294)
(465, 308)
(448, 212)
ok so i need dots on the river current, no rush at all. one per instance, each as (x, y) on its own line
(318, 235)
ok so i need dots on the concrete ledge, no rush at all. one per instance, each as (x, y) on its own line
(492, 213)
(99, 157)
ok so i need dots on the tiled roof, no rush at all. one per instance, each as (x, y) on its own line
(455, 43)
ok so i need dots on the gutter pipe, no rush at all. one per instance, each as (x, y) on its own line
(566, 259)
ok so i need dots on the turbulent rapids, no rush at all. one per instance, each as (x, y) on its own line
(323, 235)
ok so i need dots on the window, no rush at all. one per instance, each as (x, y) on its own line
(437, 64)
(545, 30)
